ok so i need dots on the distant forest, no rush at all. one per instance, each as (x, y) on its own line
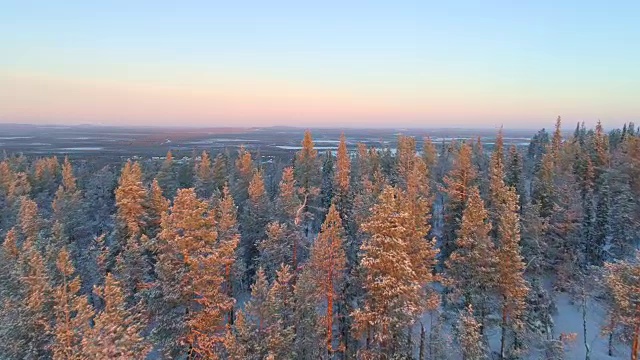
(423, 251)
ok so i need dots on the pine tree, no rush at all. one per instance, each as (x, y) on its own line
(280, 333)
(168, 177)
(328, 264)
(422, 252)
(254, 220)
(156, 205)
(116, 331)
(512, 287)
(190, 276)
(326, 191)
(602, 215)
(220, 171)
(130, 199)
(204, 181)
(392, 287)
(343, 168)
(276, 248)
(310, 329)
(471, 268)
(623, 222)
(497, 186)
(543, 192)
(6, 178)
(429, 155)
(228, 240)
(458, 183)
(470, 336)
(307, 175)
(29, 220)
(514, 175)
(556, 141)
(406, 156)
(72, 312)
(242, 177)
(26, 310)
(67, 203)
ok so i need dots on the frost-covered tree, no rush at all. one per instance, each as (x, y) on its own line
(458, 183)
(130, 200)
(192, 305)
(471, 270)
(72, 312)
(167, 176)
(470, 338)
(327, 264)
(622, 280)
(255, 217)
(204, 181)
(392, 288)
(116, 330)
(511, 285)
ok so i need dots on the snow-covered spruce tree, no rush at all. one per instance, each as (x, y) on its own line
(307, 175)
(204, 182)
(326, 192)
(289, 211)
(458, 183)
(343, 192)
(127, 252)
(342, 172)
(27, 301)
(254, 219)
(471, 270)
(276, 248)
(116, 330)
(514, 176)
(156, 205)
(280, 332)
(192, 305)
(67, 206)
(167, 176)
(511, 285)
(622, 279)
(130, 200)
(246, 338)
(556, 140)
(405, 159)
(393, 291)
(72, 312)
(327, 264)
(228, 241)
(310, 328)
(220, 171)
(497, 187)
(429, 155)
(470, 340)
(242, 175)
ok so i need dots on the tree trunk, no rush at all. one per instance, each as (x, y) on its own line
(330, 317)
(229, 291)
(587, 354)
(610, 345)
(422, 336)
(504, 330)
(635, 344)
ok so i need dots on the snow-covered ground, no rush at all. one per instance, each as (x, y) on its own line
(569, 320)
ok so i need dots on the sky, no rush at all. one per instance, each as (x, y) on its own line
(346, 63)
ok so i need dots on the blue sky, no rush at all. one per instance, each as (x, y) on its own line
(374, 63)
